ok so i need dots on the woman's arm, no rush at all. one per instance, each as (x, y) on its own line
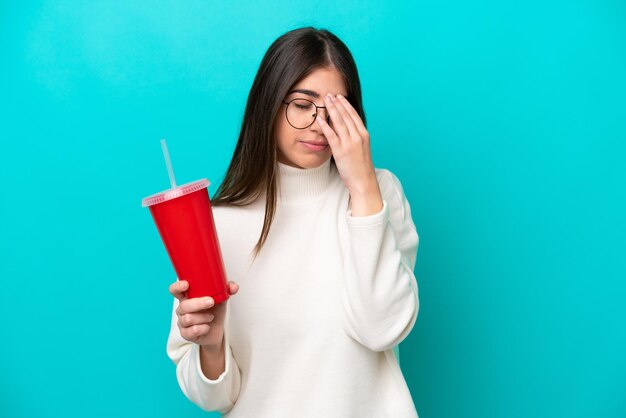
(380, 293)
(212, 362)
(210, 380)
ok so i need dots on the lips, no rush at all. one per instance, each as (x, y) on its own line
(315, 146)
(316, 143)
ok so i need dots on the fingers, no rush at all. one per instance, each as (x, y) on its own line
(187, 306)
(340, 117)
(188, 320)
(194, 332)
(331, 136)
(358, 122)
(178, 288)
(233, 288)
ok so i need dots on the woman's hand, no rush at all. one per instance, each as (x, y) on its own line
(199, 320)
(350, 145)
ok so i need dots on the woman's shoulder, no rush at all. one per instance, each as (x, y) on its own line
(235, 223)
(235, 212)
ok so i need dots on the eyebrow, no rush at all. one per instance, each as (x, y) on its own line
(311, 93)
(307, 92)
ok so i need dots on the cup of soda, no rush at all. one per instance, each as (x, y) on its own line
(184, 219)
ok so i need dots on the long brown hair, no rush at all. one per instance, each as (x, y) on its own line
(290, 58)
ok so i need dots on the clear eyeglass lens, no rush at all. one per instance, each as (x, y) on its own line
(301, 113)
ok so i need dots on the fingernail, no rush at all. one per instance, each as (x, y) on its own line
(209, 302)
(212, 317)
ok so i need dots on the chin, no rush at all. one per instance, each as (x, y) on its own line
(304, 160)
(312, 161)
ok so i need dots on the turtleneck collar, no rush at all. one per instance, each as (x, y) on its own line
(300, 186)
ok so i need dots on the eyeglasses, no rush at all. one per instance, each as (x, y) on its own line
(301, 113)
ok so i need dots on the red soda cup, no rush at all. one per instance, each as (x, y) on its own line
(184, 218)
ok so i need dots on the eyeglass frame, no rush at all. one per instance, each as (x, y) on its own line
(316, 111)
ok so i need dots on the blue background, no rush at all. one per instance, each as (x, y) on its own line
(505, 122)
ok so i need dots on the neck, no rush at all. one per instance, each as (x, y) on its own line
(300, 186)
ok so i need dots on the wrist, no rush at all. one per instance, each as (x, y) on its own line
(366, 201)
(212, 363)
(364, 187)
(213, 349)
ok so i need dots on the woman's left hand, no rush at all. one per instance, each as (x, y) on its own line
(350, 145)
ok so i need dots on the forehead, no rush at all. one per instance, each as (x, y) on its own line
(322, 81)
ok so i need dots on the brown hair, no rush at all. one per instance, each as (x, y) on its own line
(290, 58)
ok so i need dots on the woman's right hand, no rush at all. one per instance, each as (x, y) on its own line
(199, 320)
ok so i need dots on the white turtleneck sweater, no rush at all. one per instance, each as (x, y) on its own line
(314, 328)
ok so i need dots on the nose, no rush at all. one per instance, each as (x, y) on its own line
(325, 114)
(322, 113)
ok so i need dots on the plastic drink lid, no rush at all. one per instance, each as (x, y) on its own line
(174, 193)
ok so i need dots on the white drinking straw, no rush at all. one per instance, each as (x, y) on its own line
(168, 163)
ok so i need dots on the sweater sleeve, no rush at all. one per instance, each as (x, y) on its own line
(210, 395)
(380, 294)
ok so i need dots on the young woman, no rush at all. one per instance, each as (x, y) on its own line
(323, 246)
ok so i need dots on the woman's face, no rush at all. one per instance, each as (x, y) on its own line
(297, 147)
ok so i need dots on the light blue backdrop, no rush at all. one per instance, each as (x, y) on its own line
(505, 122)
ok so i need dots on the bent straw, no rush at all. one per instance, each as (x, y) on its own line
(168, 163)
